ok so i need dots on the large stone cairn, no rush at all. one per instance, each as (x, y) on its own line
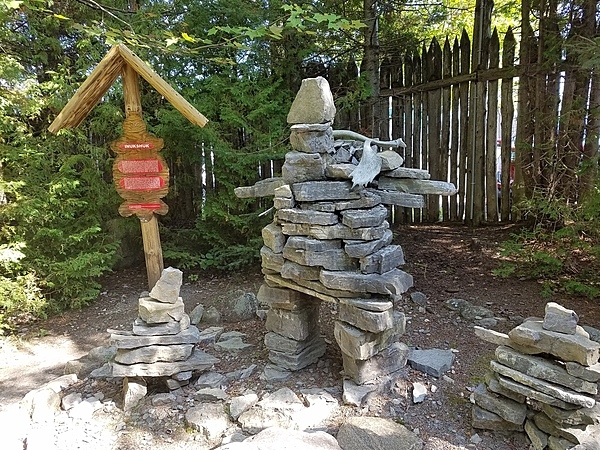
(162, 342)
(331, 241)
(543, 381)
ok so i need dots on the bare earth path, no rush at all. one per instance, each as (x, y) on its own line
(446, 262)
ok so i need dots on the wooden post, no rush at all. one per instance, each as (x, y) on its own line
(150, 233)
(152, 250)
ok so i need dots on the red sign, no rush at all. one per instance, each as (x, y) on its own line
(142, 183)
(144, 205)
(140, 166)
(136, 145)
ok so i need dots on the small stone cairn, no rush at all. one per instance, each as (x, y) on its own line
(550, 396)
(162, 342)
(330, 241)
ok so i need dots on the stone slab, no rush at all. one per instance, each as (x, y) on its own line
(558, 392)
(262, 188)
(560, 319)
(155, 312)
(374, 433)
(434, 361)
(543, 369)
(416, 186)
(395, 198)
(295, 215)
(361, 218)
(188, 336)
(487, 420)
(296, 272)
(576, 347)
(282, 298)
(300, 166)
(509, 410)
(329, 259)
(313, 191)
(273, 237)
(405, 172)
(298, 324)
(338, 231)
(141, 328)
(369, 304)
(387, 361)
(359, 249)
(373, 321)
(394, 282)
(383, 260)
(154, 353)
(198, 361)
(167, 287)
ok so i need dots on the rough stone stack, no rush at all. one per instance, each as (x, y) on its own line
(331, 241)
(543, 381)
(162, 343)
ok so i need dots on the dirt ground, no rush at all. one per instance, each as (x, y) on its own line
(446, 262)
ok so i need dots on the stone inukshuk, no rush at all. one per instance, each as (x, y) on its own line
(162, 343)
(550, 396)
(331, 241)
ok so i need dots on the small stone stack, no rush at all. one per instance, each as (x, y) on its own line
(162, 343)
(551, 396)
(331, 241)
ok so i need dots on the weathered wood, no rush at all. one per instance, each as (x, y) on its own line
(101, 79)
(445, 126)
(408, 127)
(172, 96)
(507, 113)
(383, 124)
(398, 215)
(152, 250)
(454, 144)
(465, 63)
(491, 185)
(149, 223)
(434, 106)
(90, 92)
(417, 126)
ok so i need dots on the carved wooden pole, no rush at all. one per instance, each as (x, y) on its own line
(150, 233)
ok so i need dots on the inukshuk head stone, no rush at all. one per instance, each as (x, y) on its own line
(330, 241)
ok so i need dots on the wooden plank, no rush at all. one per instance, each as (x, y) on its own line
(507, 112)
(465, 63)
(455, 127)
(417, 125)
(399, 214)
(383, 124)
(445, 126)
(408, 126)
(152, 250)
(90, 92)
(491, 185)
(476, 75)
(434, 106)
(172, 96)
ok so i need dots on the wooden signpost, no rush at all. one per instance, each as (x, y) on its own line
(140, 173)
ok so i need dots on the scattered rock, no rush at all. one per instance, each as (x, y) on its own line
(359, 433)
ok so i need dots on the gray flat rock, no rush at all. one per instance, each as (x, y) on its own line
(434, 362)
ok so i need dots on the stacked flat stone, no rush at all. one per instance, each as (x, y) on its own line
(162, 343)
(331, 241)
(543, 381)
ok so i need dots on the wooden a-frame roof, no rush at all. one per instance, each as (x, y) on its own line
(101, 79)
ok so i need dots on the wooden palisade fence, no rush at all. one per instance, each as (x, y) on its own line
(455, 105)
(477, 114)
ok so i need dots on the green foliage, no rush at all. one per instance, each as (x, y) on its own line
(560, 248)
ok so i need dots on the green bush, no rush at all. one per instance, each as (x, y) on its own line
(560, 247)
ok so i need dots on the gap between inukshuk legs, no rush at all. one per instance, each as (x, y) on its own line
(330, 241)
(552, 395)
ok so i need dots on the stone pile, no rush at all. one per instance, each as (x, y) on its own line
(162, 342)
(544, 381)
(330, 241)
